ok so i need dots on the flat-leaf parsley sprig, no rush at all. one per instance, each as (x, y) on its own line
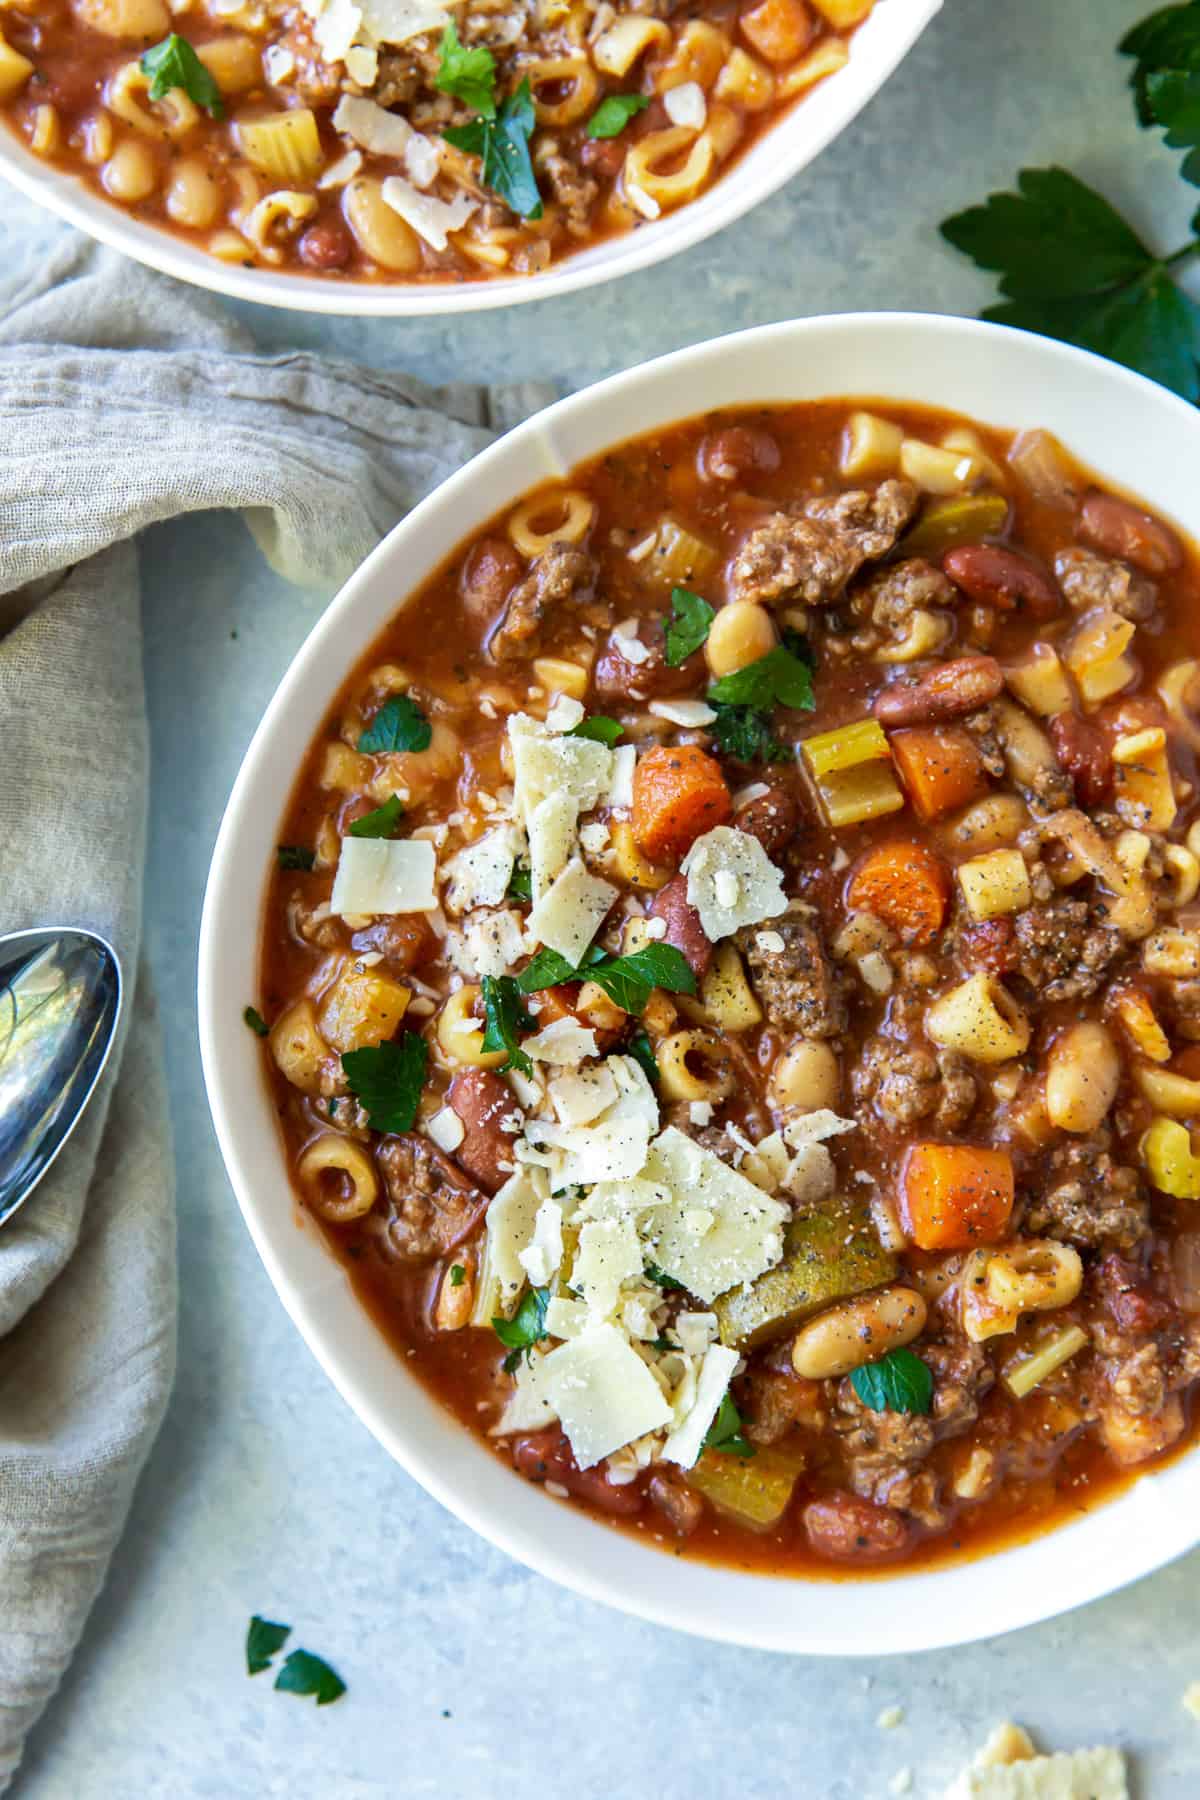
(1070, 266)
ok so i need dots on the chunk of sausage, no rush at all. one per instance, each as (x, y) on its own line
(617, 680)
(811, 556)
(948, 691)
(773, 818)
(1083, 751)
(684, 930)
(1004, 579)
(847, 1529)
(1119, 529)
(798, 985)
(1089, 580)
(546, 1456)
(430, 1207)
(556, 576)
(482, 1101)
(736, 452)
(490, 572)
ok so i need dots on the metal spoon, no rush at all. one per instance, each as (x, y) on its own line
(60, 999)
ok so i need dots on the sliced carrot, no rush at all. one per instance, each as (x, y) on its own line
(940, 768)
(906, 886)
(956, 1196)
(678, 795)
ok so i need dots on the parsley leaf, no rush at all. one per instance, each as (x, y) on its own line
(725, 1433)
(505, 1018)
(597, 730)
(174, 64)
(263, 1638)
(503, 144)
(382, 822)
(305, 1674)
(398, 725)
(470, 75)
(746, 736)
(457, 1275)
(254, 1019)
(1167, 40)
(627, 980)
(661, 1279)
(898, 1382)
(526, 1328)
(1071, 268)
(691, 618)
(388, 1078)
(779, 678)
(520, 885)
(639, 1047)
(294, 856)
(614, 113)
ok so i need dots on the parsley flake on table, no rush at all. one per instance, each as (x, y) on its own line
(174, 64)
(470, 75)
(263, 1638)
(614, 113)
(597, 730)
(627, 980)
(382, 822)
(309, 1676)
(294, 856)
(387, 1079)
(502, 143)
(899, 1382)
(724, 1435)
(254, 1019)
(688, 627)
(506, 1019)
(398, 725)
(526, 1328)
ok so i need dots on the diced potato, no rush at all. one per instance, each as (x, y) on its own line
(755, 1491)
(15, 70)
(727, 996)
(1095, 655)
(363, 1007)
(827, 1256)
(1040, 681)
(1145, 794)
(937, 470)
(995, 884)
(870, 446)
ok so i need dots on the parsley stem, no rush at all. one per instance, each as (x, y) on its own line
(1179, 256)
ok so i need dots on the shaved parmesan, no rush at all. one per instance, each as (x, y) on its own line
(480, 874)
(620, 792)
(384, 875)
(563, 1041)
(1096, 1774)
(611, 1199)
(687, 1440)
(686, 105)
(342, 171)
(565, 714)
(430, 218)
(551, 840)
(336, 24)
(362, 65)
(422, 159)
(690, 714)
(608, 1256)
(744, 1237)
(493, 942)
(578, 1099)
(695, 1331)
(510, 1224)
(612, 1148)
(527, 1408)
(566, 1318)
(373, 127)
(603, 1393)
(570, 913)
(544, 1253)
(395, 21)
(815, 1127)
(732, 882)
(545, 764)
(811, 1175)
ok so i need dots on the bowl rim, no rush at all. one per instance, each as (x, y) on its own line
(793, 142)
(1146, 1525)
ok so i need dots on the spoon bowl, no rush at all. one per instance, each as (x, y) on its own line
(60, 1000)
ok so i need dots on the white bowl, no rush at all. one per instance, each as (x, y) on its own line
(879, 44)
(1137, 436)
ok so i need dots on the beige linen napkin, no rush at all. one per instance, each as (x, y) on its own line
(124, 399)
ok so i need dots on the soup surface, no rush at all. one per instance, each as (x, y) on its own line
(733, 986)
(412, 140)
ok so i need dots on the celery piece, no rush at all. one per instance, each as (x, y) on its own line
(958, 519)
(1023, 1375)
(1170, 1161)
(827, 1255)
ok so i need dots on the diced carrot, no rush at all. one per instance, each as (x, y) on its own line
(940, 768)
(678, 795)
(956, 1196)
(906, 886)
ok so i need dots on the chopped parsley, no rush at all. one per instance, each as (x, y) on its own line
(899, 1382)
(398, 725)
(661, 1279)
(506, 1019)
(725, 1433)
(309, 1676)
(520, 885)
(294, 856)
(746, 736)
(470, 75)
(641, 1050)
(627, 980)
(254, 1019)
(263, 1638)
(174, 64)
(382, 822)
(597, 730)
(457, 1275)
(614, 113)
(745, 701)
(502, 143)
(526, 1328)
(688, 627)
(387, 1079)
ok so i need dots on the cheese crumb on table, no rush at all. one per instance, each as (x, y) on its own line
(1010, 1768)
(890, 1717)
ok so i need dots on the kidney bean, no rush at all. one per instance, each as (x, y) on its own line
(404, 940)
(679, 1504)
(546, 1456)
(736, 452)
(1129, 1297)
(1119, 529)
(482, 1100)
(603, 156)
(851, 1530)
(992, 945)
(772, 818)
(1001, 578)
(491, 570)
(684, 929)
(945, 692)
(326, 245)
(1082, 750)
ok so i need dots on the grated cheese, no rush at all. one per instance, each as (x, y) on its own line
(578, 1099)
(510, 1225)
(570, 913)
(603, 1393)
(384, 875)
(563, 1041)
(690, 714)
(608, 1256)
(430, 218)
(732, 882)
(371, 126)
(479, 875)
(446, 1129)
(687, 1440)
(542, 1256)
(745, 1236)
